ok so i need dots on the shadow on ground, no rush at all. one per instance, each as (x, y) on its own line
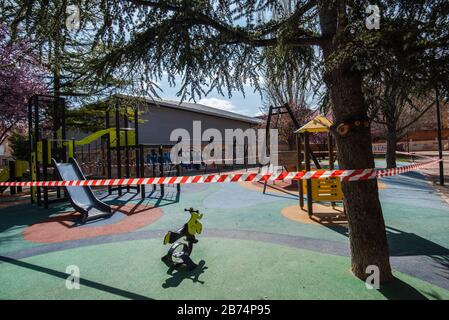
(153, 198)
(178, 276)
(22, 215)
(399, 290)
(83, 281)
(400, 243)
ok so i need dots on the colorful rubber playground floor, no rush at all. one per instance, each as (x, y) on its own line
(250, 247)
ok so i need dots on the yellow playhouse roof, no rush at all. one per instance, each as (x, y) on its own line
(317, 124)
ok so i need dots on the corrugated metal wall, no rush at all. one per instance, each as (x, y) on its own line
(160, 122)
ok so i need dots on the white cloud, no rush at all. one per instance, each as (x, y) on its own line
(218, 103)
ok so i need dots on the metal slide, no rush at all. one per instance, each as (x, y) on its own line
(82, 198)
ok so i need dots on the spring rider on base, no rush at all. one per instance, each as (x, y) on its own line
(178, 255)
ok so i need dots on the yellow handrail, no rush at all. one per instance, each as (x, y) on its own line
(94, 136)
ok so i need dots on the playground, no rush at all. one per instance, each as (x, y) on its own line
(259, 239)
(224, 150)
(249, 247)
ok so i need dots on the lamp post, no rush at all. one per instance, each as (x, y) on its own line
(440, 143)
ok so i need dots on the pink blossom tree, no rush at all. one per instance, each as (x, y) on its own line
(21, 76)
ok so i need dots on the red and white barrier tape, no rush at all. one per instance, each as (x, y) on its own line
(344, 175)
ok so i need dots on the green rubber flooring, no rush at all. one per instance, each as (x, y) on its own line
(269, 257)
(233, 269)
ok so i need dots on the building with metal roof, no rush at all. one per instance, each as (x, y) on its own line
(162, 117)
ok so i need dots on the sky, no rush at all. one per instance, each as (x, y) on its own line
(248, 105)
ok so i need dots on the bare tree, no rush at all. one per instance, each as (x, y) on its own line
(289, 79)
(396, 109)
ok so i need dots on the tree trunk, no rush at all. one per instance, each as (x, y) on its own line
(392, 140)
(367, 236)
(291, 143)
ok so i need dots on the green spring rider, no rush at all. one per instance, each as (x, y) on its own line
(178, 255)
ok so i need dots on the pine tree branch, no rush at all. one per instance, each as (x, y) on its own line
(239, 35)
(417, 117)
